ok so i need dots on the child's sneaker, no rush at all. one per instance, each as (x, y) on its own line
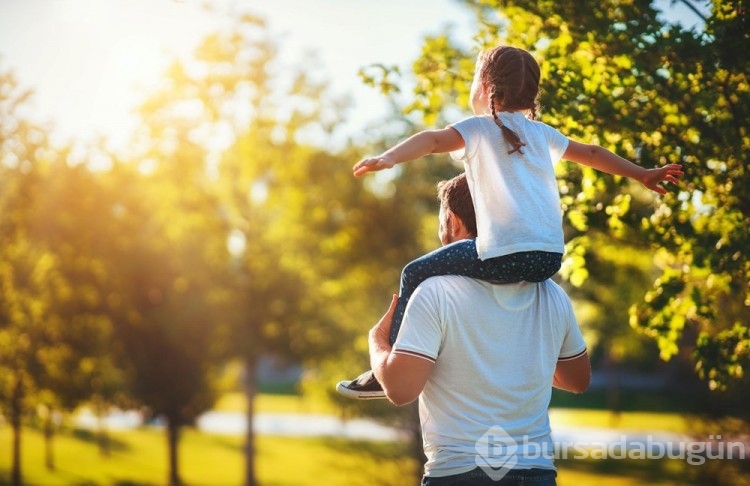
(365, 387)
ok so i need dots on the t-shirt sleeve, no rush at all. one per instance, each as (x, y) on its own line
(557, 143)
(467, 129)
(573, 344)
(421, 332)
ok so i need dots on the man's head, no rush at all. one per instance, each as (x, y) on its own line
(457, 217)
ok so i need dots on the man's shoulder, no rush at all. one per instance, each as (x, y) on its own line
(452, 284)
(441, 282)
(446, 283)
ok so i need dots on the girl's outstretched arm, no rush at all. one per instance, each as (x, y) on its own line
(418, 145)
(603, 160)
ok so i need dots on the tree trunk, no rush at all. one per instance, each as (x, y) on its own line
(250, 392)
(15, 422)
(102, 436)
(173, 436)
(613, 387)
(416, 447)
(49, 433)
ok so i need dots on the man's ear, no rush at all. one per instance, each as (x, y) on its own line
(456, 227)
(485, 89)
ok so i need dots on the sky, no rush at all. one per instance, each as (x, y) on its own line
(89, 62)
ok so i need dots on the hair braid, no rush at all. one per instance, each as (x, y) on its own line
(510, 136)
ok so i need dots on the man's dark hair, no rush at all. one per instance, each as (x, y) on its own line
(454, 194)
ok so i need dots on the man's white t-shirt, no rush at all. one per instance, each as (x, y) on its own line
(495, 349)
(516, 197)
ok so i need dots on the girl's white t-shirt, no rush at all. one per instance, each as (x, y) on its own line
(516, 197)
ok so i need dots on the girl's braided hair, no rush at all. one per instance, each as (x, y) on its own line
(511, 76)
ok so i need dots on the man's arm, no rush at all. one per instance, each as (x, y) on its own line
(573, 375)
(402, 376)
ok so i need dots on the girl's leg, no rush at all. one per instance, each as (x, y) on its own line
(448, 260)
(461, 258)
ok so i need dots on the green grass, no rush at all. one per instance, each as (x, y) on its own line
(648, 422)
(591, 472)
(271, 403)
(139, 457)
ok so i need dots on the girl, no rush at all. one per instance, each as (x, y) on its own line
(509, 162)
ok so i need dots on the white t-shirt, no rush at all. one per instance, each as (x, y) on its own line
(516, 197)
(495, 349)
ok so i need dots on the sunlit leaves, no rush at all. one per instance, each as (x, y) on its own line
(384, 78)
(574, 266)
(723, 356)
(443, 74)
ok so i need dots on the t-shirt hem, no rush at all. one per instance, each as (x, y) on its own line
(416, 354)
(487, 253)
(573, 356)
(453, 472)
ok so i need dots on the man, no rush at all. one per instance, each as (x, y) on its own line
(483, 359)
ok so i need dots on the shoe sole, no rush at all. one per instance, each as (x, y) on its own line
(358, 395)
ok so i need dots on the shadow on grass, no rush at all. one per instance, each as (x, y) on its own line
(91, 437)
(68, 478)
(663, 471)
(129, 482)
(648, 470)
(229, 443)
(375, 450)
(634, 400)
(72, 479)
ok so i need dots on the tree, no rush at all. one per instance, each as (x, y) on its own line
(267, 290)
(167, 261)
(29, 272)
(70, 217)
(54, 325)
(704, 281)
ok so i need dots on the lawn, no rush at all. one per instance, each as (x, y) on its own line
(139, 457)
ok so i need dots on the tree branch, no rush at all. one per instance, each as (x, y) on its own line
(693, 8)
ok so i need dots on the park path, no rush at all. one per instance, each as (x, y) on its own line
(610, 440)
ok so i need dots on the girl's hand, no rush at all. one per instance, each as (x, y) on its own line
(668, 173)
(372, 164)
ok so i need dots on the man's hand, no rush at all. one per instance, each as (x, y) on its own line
(668, 173)
(382, 330)
(402, 376)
